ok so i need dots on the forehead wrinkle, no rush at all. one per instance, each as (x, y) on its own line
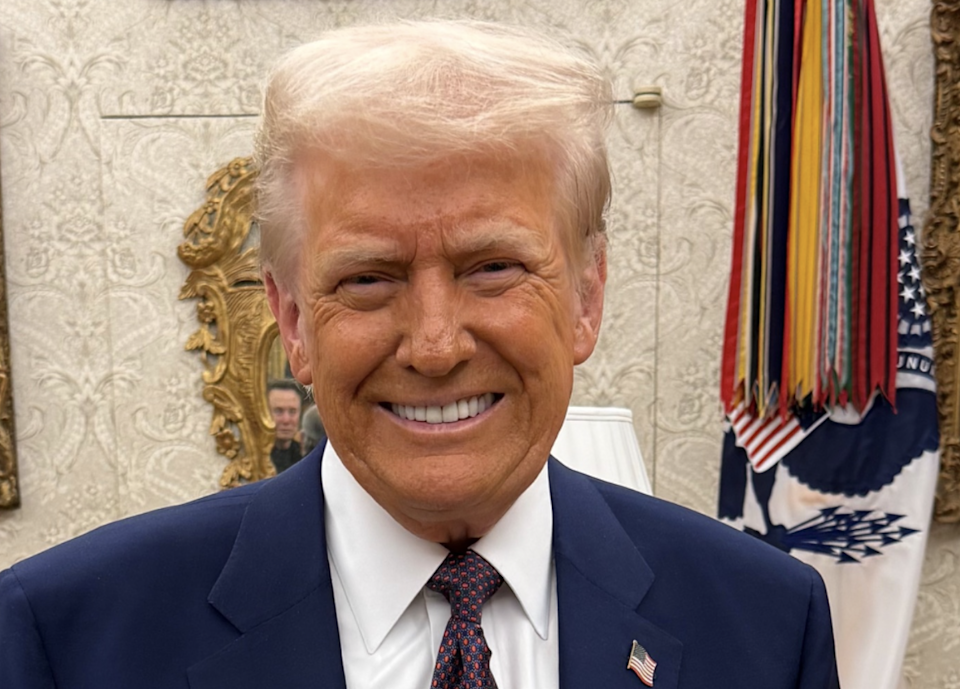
(462, 239)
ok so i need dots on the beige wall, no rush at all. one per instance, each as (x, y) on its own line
(113, 113)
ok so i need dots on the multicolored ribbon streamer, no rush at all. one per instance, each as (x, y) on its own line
(812, 311)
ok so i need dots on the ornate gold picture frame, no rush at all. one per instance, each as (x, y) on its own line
(236, 326)
(941, 250)
(9, 487)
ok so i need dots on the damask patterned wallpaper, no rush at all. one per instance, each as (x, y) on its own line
(113, 114)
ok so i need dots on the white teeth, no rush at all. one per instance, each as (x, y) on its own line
(450, 413)
(466, 408)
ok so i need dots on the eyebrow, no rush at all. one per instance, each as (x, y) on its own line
(495, 235)
(349, 256)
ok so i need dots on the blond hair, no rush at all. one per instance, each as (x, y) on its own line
(411, 93)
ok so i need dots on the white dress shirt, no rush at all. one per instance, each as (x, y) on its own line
(391, 625)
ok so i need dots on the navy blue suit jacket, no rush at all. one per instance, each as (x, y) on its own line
(233, 591)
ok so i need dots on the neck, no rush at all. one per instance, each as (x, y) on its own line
(460, 545)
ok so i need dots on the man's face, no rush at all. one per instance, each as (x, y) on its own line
(439, 320)
(285, 408)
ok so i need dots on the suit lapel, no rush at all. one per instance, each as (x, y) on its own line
(275, 589)
(601, 582)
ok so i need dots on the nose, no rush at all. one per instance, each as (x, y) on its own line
(435, 338)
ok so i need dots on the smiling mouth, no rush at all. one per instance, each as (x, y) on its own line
(466, 408)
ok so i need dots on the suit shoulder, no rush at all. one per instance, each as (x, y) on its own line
(686, 538)
(181, 537)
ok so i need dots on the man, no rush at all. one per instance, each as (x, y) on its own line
(283, 398)
(431, 207)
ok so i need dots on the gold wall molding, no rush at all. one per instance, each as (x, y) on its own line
(9, 487)
(941, 250)
(236, 326)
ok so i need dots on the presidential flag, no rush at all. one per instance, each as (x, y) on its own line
(854, 499)
(827, 371)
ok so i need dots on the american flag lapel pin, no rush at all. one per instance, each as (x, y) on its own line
(642, 664)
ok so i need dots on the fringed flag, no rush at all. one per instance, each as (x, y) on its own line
(827, 376)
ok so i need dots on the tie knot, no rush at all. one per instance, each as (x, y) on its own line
(467, 581)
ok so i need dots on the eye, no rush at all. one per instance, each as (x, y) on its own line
(362, 280)
(498, 266)
(495, 276)
(367, 291)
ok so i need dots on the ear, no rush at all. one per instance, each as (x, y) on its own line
(593, 279)
(287, 313)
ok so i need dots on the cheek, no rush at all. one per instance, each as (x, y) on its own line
(347, 348)
(544, 339)
(536, 327)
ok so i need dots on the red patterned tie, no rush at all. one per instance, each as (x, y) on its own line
(463, 662)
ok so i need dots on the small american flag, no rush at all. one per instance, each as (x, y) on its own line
(768, 439)
(642, 664)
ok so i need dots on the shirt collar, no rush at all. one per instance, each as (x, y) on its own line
(383, 567)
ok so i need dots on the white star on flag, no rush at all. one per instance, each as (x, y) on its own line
(904, 257)
(908, 293)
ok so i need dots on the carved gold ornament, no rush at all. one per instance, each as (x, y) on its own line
(9, 490)
(236, 326)
(941, 251)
